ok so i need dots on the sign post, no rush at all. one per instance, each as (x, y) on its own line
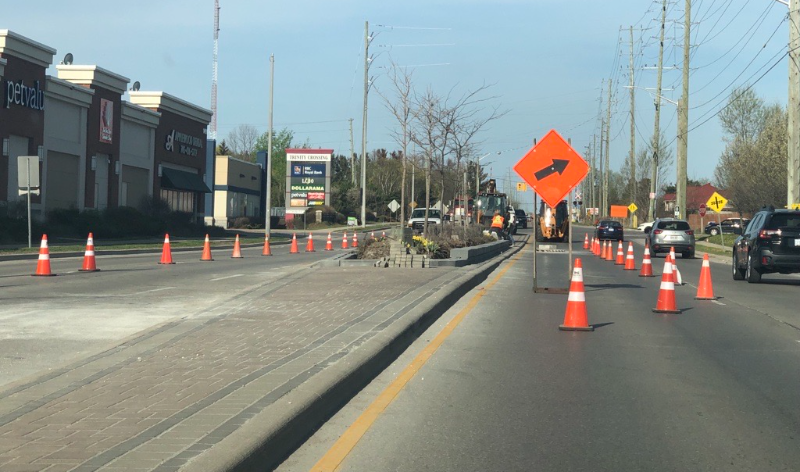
(552, 168)
(28, 172)
(702, 212)
(717, 202)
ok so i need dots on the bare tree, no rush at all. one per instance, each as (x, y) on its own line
(401, 109)
(242, 142)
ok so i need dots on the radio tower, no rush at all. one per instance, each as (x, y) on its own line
(213, 133)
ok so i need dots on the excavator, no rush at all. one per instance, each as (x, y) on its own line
(553, 222)
(488, 201)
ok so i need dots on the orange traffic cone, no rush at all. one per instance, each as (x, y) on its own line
(166, 252)
(603, 250)
(620, 255)
(344, 240)
(43, 266)
(576, 318)
(705, 290)
(237, 249)
(666, 294)
(355, 239)
(310, 244)
(266, 251)
(586, 241)
(89, 264)
(610, 252)
(596, 249)
(329, 243)
(676, 275)
(647, 264)
(293, 248)
(630, 262)
(206, 251)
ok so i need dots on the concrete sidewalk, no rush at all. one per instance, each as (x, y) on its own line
(232, 387)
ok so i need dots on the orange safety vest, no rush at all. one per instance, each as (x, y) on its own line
(497, 222)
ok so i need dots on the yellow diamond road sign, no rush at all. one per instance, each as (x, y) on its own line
(521, 187)
(717, 202)
(632, 207)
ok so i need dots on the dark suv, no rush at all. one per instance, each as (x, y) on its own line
(522, 219)
(609, 229)
(771, 243)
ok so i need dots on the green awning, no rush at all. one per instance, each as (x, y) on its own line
(180, 180)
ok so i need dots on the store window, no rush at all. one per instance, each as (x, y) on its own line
(179, 200)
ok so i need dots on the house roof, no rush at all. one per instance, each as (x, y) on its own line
(695, 196)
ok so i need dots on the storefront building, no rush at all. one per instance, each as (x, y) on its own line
(237, 190)
(103, 131)
(180, 151)
(22, 114)
(65, 121)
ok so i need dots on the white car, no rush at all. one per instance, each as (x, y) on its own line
(645, 226)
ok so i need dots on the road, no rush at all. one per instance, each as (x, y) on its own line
(48, 321)
(712, 388)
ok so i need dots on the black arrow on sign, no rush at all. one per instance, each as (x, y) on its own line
(558, 165)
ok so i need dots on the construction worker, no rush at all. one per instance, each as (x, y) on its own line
(497, 224)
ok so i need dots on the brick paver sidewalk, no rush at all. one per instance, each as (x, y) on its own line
(164, 397)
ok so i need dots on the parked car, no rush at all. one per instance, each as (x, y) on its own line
(417, 220)
(771, 243)
(728, 225)
(609, 229)
(522, 219)
(671, 233)
(645, 227)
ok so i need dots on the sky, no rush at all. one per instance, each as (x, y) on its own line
(544, 62)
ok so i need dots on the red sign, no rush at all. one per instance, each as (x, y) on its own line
(552, 168)
(702, 210)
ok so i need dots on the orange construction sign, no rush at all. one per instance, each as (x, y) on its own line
(552, 168)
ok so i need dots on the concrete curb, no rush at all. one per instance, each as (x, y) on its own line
(272, 435)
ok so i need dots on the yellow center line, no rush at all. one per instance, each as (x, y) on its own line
(348, 440)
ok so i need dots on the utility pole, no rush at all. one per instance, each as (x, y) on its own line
(633, 127)
(268, 210)
(364, 129)
(683, 121)
(656, 130)
(352, 155)
(600, 168)
(591, 171)
(608, 144)
(793, 164)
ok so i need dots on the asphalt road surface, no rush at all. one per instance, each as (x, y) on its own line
(712, 388)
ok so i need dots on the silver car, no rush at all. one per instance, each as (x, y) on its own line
(671, 233)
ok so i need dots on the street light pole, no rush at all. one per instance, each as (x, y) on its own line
(268, 223)
(364, 128)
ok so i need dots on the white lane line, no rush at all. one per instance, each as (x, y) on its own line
(718, 302)
(228, 277)
(153, 290)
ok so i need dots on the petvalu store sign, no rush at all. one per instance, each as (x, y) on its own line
(183, 143)
(19, 94)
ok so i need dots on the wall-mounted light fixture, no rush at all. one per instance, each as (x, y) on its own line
(5, 146)
(94, 163)
(241, 176)
(160, 170)
(117, 167)
(40, 153)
